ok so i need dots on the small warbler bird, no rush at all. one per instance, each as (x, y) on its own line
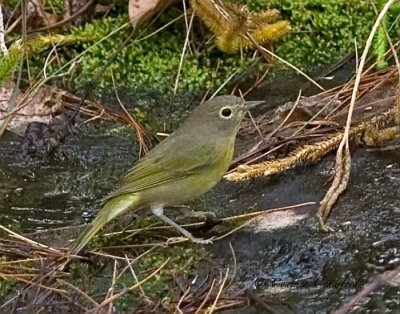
(186, 164)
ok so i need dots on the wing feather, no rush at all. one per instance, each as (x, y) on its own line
(157, 168)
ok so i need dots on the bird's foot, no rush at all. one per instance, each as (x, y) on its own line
(193, 239)
(158, 212)
(174, 240)
(202, 241)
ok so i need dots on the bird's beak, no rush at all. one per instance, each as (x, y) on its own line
(251, 104)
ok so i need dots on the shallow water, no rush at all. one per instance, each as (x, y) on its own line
(51, 192)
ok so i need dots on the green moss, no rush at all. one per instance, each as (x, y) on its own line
(95, 278)
(152, 64)
(7, 284)
(11, 3)
(162, 285)
(79, 271)
(390, 25)
(54, 6)
(8, 64)
(322, 31)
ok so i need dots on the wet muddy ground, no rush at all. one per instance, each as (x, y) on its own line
(287, 260)
(281, 257)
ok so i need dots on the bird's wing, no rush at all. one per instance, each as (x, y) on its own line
(157, 169)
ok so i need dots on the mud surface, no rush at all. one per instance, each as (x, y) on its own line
(296, 269)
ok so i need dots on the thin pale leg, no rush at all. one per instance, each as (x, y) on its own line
(158, 211)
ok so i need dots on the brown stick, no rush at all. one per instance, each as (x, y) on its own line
(368, 288)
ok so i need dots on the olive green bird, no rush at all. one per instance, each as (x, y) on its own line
(182, 167)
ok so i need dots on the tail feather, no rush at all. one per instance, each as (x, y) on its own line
(114, 207)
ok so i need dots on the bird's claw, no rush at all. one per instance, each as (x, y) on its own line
(202, 241)
(174, 240)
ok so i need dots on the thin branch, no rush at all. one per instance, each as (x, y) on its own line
(368, 289)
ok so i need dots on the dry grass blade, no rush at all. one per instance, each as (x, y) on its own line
(144, 140)
(264, 50)
(206, 298)
(255, 215)
(211, 298)
(214, 305)
(286, 118)
(131, 262)
(185, 46)
(182, 299)
(29, 241)
(80, 292)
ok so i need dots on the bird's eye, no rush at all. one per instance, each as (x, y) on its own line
(226, 113)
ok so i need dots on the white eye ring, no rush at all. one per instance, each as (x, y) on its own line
(226, 113)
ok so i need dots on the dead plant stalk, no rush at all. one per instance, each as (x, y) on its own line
(343, 158)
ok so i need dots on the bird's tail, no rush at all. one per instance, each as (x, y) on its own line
(111, 209)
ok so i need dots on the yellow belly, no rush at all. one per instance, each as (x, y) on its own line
(181, 190)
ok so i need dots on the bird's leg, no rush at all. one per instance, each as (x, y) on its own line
(158, 211)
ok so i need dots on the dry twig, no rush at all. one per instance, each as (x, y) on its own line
(368, 289)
